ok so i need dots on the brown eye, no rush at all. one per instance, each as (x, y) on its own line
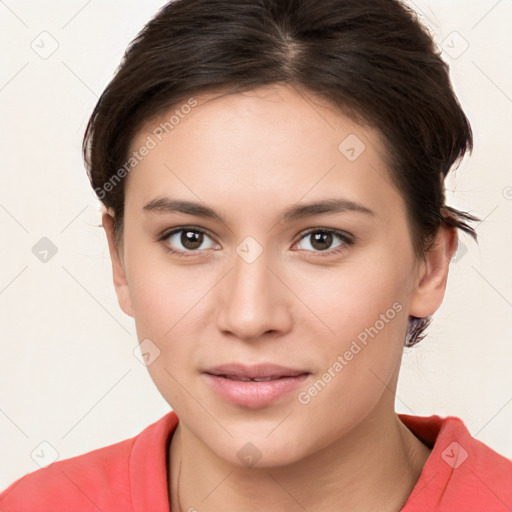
(322, 240)
(188, 240)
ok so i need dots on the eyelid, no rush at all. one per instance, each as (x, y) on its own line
(347, 237)
(167, 233)
(171, 231)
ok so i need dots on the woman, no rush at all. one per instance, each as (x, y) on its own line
(272, 175)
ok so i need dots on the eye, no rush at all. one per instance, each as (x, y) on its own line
(322, 239)
(187, 240)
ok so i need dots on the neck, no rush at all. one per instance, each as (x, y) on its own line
(374, 467)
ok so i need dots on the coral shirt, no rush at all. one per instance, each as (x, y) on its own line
(461, 474)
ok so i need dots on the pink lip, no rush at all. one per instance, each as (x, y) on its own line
(225, 380)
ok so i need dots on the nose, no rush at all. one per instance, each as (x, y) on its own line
(254, 300)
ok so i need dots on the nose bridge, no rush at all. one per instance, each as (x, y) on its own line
(253, 299)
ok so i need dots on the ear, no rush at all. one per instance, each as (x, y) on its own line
(428, 295)
(118, 271)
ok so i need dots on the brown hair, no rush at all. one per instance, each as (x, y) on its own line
(370, 58)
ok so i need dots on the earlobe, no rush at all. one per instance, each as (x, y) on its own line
(429, 292)
(118, 268)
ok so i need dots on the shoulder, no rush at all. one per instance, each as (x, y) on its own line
(72, 484)
(97, 480)
(462, 473)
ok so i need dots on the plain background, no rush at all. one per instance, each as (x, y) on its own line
(68, 373)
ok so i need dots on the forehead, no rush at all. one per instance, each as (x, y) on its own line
(270, 146)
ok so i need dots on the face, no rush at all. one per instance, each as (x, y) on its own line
(247, 276)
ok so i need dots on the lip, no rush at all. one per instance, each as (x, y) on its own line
(226, 381)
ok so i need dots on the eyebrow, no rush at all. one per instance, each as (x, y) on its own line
(291, 213)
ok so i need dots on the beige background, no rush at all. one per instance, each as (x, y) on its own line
(68, 375)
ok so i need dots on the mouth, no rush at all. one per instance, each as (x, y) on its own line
(249, 379)
(259, 373)
(254, 386)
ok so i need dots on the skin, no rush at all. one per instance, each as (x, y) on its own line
(248, 156)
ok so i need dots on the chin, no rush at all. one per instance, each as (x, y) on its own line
(254, 448)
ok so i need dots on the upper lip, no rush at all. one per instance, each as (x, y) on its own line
(254, 371)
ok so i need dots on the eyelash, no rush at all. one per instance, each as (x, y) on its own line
(347, 240)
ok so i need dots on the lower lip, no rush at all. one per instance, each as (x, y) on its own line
(254, 394)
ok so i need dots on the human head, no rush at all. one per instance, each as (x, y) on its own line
(245, 106)
(383, 70)
(380, 68)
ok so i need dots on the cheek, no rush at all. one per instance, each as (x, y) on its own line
(347, 300)
(172, 308)
(360, 322)
(167, 302)
(360, 360)
(163, 292)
